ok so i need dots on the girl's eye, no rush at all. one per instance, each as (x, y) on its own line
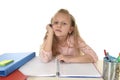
(64, 23)
(55, 22)
(60, 23)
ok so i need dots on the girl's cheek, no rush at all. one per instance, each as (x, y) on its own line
(54, 29)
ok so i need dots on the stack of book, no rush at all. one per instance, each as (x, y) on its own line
(11, 62)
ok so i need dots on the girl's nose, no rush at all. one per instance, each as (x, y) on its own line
(59, 25)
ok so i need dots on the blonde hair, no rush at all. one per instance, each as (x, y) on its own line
(74, 33)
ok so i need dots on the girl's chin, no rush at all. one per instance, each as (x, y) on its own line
(59, 36)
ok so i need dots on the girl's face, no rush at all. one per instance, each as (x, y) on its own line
(62, 25)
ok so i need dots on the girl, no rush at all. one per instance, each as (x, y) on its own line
(62, 40)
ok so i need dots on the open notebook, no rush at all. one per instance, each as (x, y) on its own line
(37, 68)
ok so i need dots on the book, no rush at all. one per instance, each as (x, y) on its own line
(18, 59)
(55, 68)
(15, 75)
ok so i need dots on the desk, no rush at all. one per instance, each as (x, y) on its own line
(99, 65)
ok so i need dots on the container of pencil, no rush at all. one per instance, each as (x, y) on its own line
(111, 69)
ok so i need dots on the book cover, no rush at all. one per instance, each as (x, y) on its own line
(19, 59)
(55, 68)
(15, 75)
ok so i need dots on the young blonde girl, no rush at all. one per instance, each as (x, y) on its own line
(62, 41)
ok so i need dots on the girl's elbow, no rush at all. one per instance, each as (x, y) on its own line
(45, 60)
(95, 60)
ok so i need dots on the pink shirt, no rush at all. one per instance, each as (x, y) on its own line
(47, 56)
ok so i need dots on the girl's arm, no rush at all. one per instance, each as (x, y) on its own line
(47, 46)
(46, 51)
(75, 59)
(88, 52)
(88, 55)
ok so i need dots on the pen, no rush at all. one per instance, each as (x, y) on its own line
(111, 58)
(118, 58)
(108, 57)
(106, 54)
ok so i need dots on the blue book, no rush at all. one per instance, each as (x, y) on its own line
(13, 61)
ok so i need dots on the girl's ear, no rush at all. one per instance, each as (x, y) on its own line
(71, 29)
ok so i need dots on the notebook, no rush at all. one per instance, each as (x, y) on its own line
(54, 68)
(18, 59)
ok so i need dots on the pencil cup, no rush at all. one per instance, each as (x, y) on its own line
(111, 70)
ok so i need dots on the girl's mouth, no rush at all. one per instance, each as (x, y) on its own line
(58, 30)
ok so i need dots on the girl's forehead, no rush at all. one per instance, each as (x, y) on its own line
(62, 16)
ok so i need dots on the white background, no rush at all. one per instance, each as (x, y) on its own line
(23, 22)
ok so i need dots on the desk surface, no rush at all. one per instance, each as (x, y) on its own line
(99, 65)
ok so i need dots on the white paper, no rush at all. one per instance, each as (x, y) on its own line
(78, 70)
(37, 68)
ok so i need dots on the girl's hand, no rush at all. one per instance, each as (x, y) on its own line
(63, 58)
(49, 28)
